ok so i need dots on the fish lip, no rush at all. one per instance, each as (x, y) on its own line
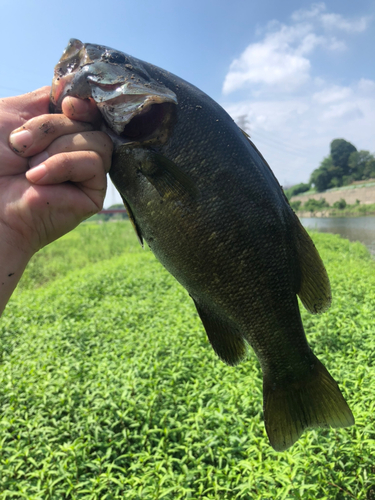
(73, 48)
(121, 86)
(74, 56)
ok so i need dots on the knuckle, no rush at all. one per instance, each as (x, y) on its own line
(47, 127)
(64, 160)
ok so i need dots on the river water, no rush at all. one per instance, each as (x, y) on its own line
(353, 228)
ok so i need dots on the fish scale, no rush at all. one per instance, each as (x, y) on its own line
(206, 202)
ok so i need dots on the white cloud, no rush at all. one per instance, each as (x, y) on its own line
(269, 66)
(302, 14)
(281, 58)
(291, 112)
(330, 20)
(343, 111)
(366, 86)
(336, 21)
(330, 94)
(278, 60)
(294, 134)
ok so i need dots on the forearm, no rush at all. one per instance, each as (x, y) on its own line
(12, 265)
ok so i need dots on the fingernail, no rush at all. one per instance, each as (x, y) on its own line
(21, 140)
(36, 173)
(39, 158)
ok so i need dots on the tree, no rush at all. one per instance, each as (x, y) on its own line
(362, 165)
(369, 171)
(340, 152)
(297, 189)
(334, 171)
(321, 177)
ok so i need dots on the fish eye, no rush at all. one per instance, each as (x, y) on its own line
(114, 57)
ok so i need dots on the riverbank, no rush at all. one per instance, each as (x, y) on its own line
(355, 200)
(356, 210)
(364, 192)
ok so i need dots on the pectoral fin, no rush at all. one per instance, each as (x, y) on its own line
(315, 289)
(167, 177)
(224, 337)
(133, 221)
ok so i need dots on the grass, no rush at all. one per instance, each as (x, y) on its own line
(91, 243)
(110, 390)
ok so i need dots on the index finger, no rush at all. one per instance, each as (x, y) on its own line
(81, 110)
(39, 132)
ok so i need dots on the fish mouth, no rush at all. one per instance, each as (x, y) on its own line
(148, 122)
(137, 114)
(134, 107)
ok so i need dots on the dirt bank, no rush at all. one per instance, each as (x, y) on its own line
(364, 193)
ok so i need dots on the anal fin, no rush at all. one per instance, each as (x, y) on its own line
(224, 337)
(315, 401)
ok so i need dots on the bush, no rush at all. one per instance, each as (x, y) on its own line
(297, 189)
(295, 204)
(313, 205)
(340, 205)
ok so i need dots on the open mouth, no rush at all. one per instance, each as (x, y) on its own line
(148, 122)
(138, 118)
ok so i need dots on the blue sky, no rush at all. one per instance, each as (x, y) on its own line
(295, 74)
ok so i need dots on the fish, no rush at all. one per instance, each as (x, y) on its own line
(203, 198)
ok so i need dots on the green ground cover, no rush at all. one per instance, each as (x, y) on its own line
(339, 209)
(109, 389)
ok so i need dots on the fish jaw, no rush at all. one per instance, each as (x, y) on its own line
(65, 73)
(121, 88)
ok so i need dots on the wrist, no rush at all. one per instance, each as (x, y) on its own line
(13, 261)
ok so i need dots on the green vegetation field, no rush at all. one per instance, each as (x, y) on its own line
(110, 390)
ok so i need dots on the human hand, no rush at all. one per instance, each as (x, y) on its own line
(52, 168)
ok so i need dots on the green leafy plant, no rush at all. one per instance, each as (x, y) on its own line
(109, 388)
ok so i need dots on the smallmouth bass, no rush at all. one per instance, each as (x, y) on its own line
(202, 196)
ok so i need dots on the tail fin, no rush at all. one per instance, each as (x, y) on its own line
(313, 402)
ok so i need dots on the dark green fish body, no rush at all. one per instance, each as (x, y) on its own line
(204, 199)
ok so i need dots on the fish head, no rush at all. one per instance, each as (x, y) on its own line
(135, 107)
